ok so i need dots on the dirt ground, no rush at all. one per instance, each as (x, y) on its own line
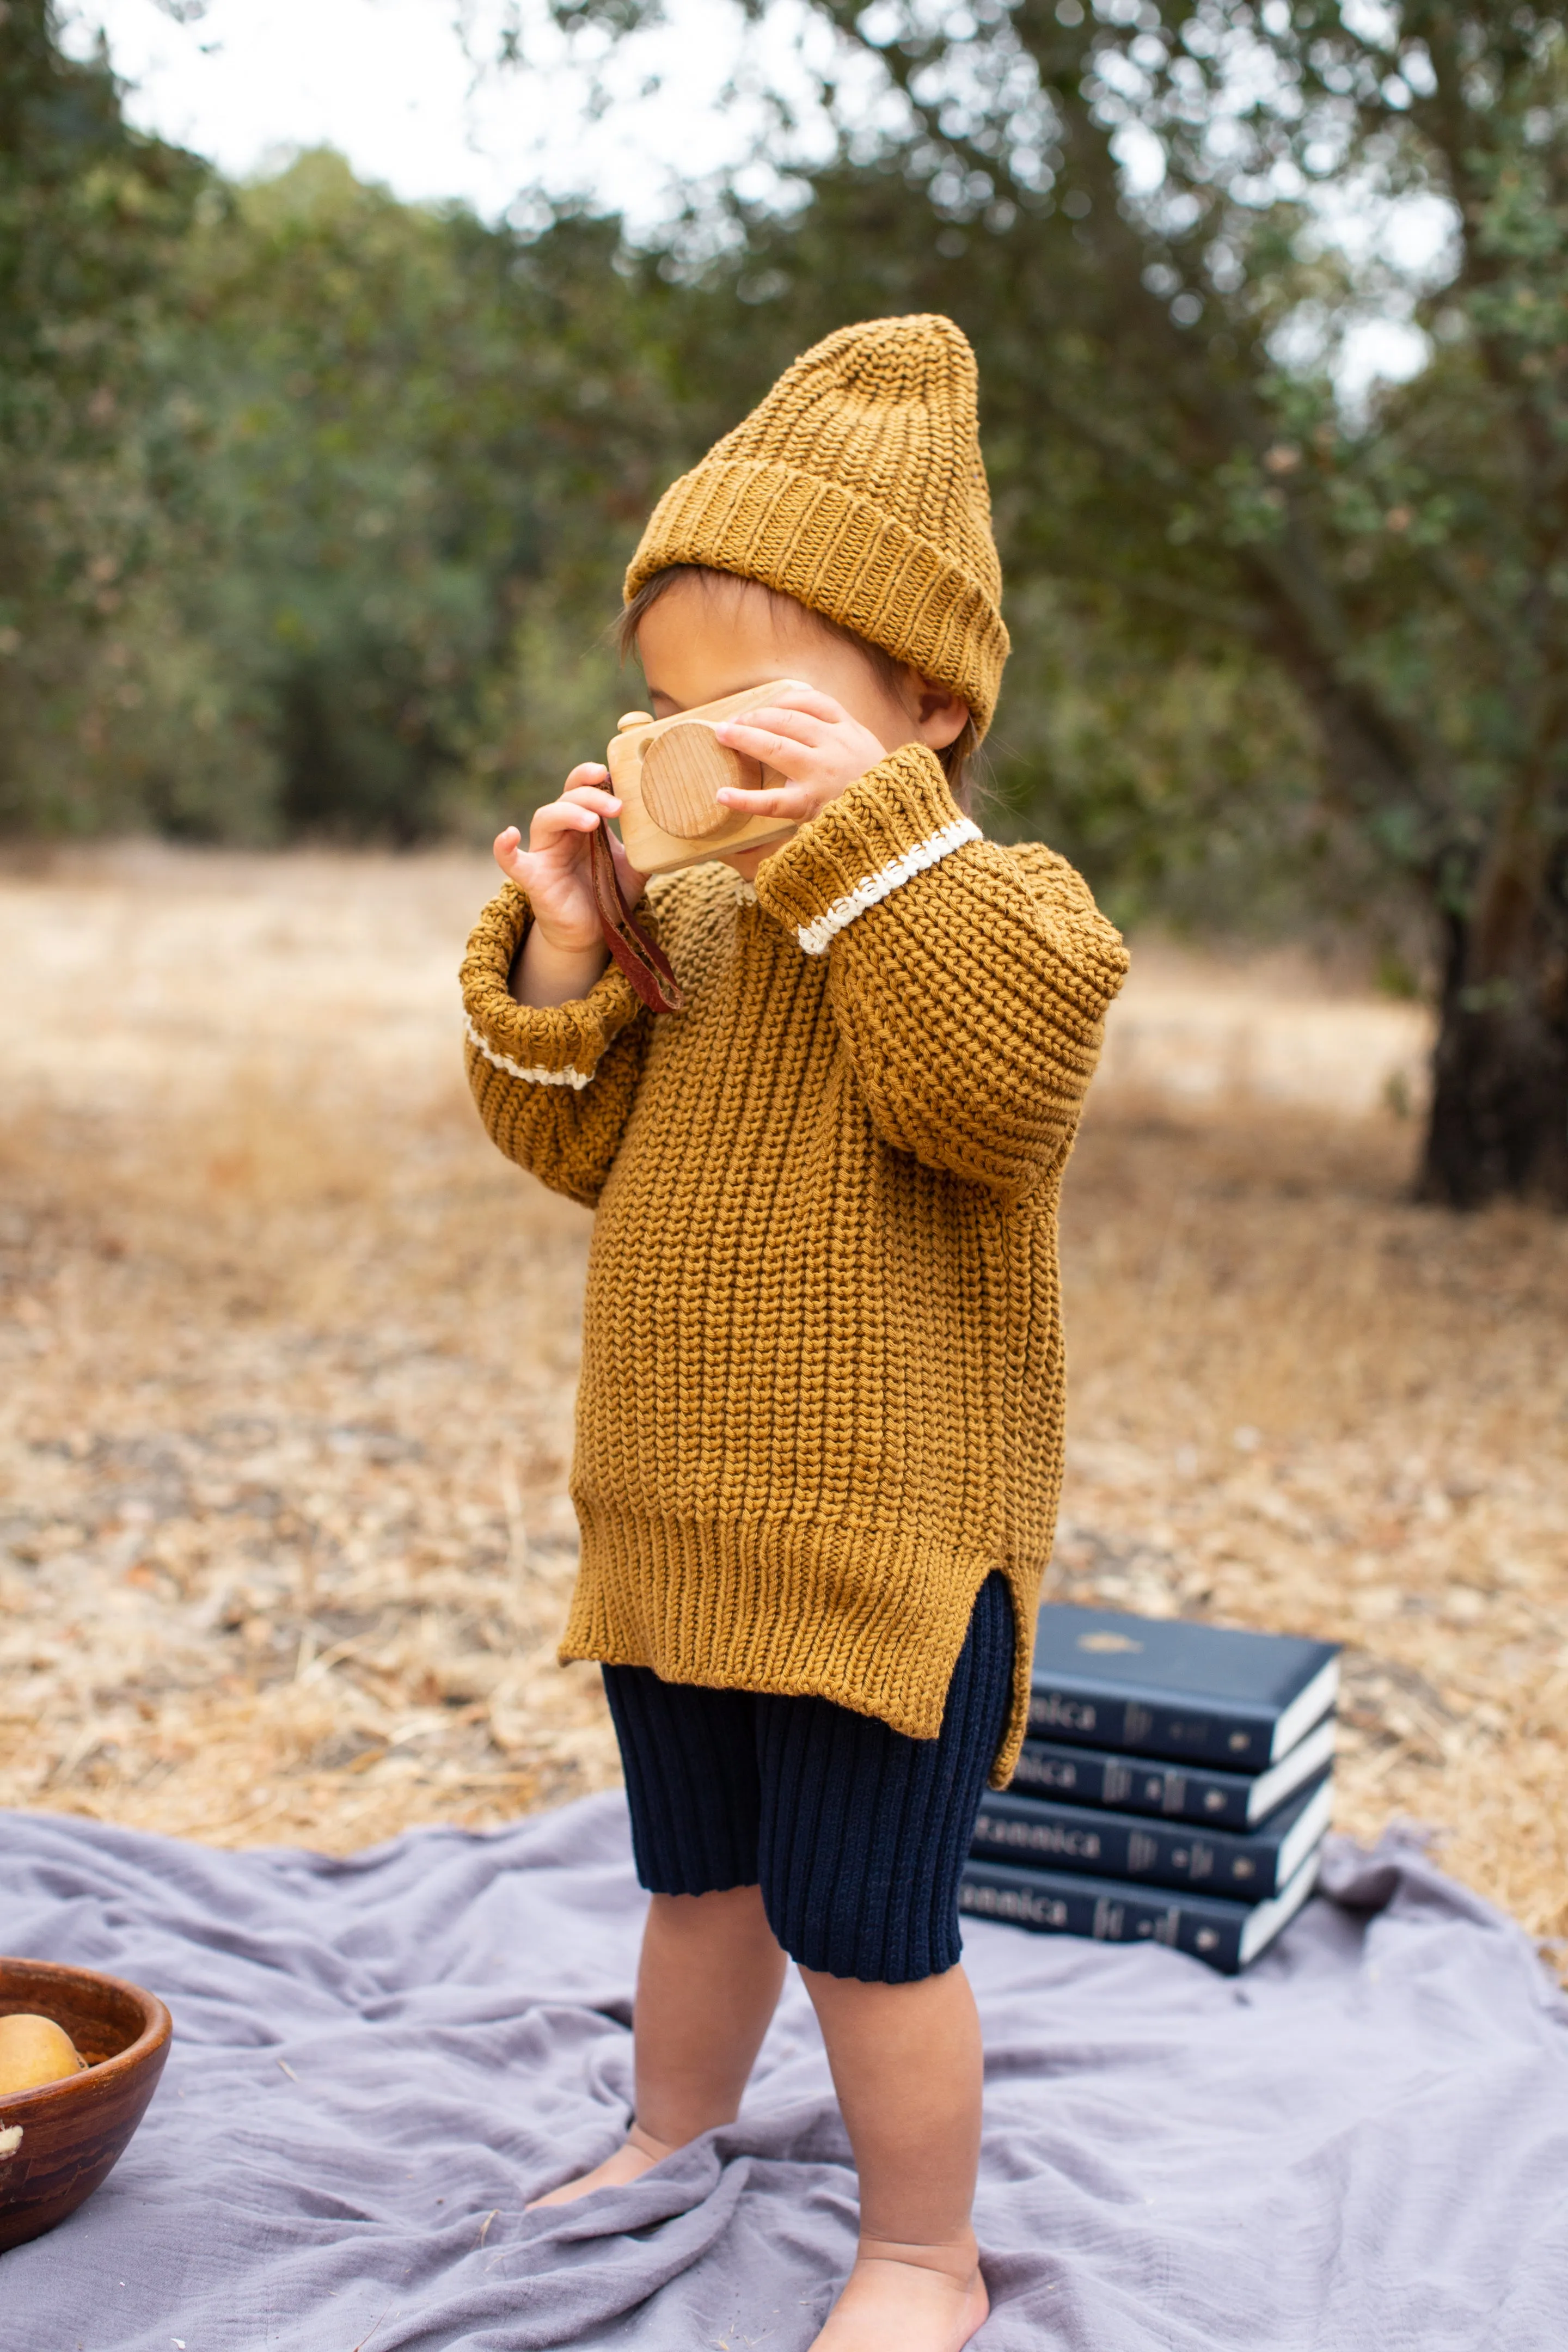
(287, 1355)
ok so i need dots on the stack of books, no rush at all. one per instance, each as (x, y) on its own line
(1175, 1785)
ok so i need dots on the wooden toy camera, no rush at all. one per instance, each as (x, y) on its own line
(667, 773)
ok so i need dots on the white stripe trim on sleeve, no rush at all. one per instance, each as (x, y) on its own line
(814, 937)
(567, 1078)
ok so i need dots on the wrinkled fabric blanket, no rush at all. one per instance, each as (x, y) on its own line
(1360, 2146)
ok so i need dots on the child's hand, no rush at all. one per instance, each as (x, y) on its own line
(555, 867)
(810, 739)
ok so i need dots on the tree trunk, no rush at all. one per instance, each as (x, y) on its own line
(1499, 1122)
(1500, 1096)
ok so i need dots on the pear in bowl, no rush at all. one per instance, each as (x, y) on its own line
(34, 2050)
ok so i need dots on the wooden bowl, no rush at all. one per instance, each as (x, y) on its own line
(58, 2142)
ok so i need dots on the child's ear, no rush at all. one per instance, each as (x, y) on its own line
(942, 717)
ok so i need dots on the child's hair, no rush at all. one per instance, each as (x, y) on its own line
(956, 757)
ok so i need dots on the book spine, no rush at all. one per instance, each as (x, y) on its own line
(1095, 1717)
(1081, 1776)
(1052, 1906)
(1077, 1775)
(1061, 1837)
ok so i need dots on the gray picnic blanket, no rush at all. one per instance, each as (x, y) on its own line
(1360, 2146)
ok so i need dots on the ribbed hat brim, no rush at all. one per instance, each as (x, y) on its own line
(839, 553)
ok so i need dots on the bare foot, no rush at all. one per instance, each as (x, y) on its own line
(636, 2154)
(905, 2302)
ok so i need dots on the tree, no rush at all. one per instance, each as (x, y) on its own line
(1132, 214)
(417, 449)
(316, 502)
(89, 215)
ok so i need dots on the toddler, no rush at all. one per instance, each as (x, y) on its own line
(820, 1420)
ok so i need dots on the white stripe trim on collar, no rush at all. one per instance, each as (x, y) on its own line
(567, 1078)
(814, 937)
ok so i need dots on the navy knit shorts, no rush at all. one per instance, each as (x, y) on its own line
(855, 1833)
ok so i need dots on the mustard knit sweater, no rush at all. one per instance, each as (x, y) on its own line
(822, 1388)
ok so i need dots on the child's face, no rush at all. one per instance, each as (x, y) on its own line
(705, 640)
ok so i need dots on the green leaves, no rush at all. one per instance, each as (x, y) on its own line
(347, 484)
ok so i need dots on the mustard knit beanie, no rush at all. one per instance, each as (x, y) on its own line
(857, 487)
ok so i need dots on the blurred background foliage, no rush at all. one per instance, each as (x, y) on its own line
(316, 503)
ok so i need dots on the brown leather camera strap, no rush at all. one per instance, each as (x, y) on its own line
(643, 960)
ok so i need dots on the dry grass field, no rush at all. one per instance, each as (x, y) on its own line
(287, 1355)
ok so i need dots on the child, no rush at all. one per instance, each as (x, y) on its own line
(820, 1421)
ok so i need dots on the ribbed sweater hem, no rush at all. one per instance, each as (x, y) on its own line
(870, 1617)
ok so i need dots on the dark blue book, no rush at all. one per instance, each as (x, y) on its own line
(1165, 1686)
(1228, 1936)
(1138, 1784)
(1245, 1865)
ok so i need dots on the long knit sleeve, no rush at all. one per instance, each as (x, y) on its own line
(554, 1087)
(969, 983)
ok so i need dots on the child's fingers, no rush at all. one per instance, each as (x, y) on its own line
(507, 850)
(799, 726)
(783, 752)
(579, 812)
(795, 800)
(548, 824)
(796, 695)
(592, 796)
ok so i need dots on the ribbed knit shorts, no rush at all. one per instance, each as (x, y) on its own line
(855, 1833)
